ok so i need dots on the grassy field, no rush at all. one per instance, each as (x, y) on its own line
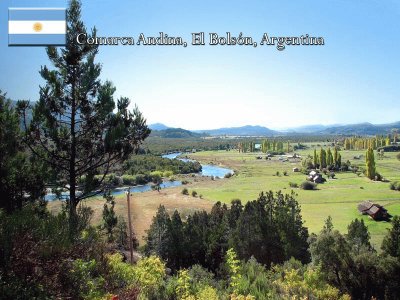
(144, 206)
(337, 197)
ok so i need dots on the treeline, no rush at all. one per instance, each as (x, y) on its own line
(362, 143)
(40, 259)
(145, 164)
(331, 263)
(158, 146)
(267, 145)
(270, 229)
(257, 251)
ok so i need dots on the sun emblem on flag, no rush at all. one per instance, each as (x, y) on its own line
(37, 27)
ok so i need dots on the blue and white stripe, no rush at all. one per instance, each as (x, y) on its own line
(21, 23)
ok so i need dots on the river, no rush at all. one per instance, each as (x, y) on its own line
(207, 170)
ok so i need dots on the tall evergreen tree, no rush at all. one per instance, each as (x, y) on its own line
(74, 122)
(391, 242)
(358, 235)
(157, 235)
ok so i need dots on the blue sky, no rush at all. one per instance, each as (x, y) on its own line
(354, 77)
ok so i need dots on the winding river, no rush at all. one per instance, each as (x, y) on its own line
(207, 170)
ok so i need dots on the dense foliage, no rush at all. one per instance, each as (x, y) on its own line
(269, 229)
(145, 164)
(21, 176)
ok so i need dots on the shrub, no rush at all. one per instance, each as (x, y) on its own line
(308, 186)
(293, 185)
(398, 156)
(128, 179)
(395, 186)
(194, 194)
(277, 173)
(285, 173)
(228, 175)
(142, 179)
(88, 286)
(185, 191)
(168, 174)
(184, 182)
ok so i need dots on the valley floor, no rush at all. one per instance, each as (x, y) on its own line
(337, 197)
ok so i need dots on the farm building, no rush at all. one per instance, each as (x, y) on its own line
(375, 211)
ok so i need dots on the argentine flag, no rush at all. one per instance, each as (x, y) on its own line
(37, 26)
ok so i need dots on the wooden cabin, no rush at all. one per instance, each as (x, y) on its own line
(375, 211)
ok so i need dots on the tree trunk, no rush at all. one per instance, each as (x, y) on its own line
(72, 173)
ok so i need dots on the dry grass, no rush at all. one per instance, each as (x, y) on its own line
(144, 206)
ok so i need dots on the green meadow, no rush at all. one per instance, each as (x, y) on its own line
(337, 197)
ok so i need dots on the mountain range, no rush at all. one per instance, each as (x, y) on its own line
(249, 130)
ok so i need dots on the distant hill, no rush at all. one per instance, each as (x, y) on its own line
(247, 130)
(164, 131)
(360, 129)
(176, 133)
(307, 128)
(158, 126)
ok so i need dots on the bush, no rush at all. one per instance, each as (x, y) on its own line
(168, 174)
(285, 173)
(277, 173)
(84, 279)
(308, 186)
(398, 156)
(194, 194)
(142, 179)
(228, 175)
(185, 191)
(395, 186)
(128, 179)
(184, 182)
(293, 185)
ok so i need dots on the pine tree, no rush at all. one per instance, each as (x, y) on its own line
(391, 242)
(109, 218)
(74, 122)
(358, 235)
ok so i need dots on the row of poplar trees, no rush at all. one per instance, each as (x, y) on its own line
(325, 158)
